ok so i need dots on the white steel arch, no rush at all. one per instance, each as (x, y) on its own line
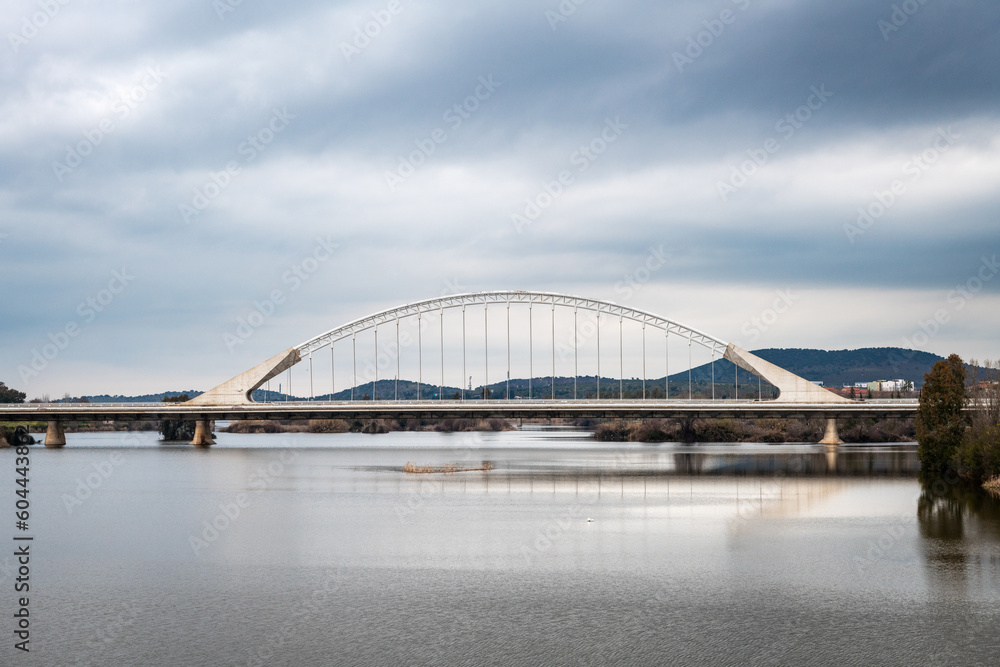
(508, 297)
(238, 390)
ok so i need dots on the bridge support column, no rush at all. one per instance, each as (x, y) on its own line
(203, 433)
(55, 434)
(831, 437)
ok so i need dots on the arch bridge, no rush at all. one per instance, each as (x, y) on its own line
(455, 331)
(239, 390)
(418, 361)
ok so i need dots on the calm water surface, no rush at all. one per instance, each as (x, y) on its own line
(306, 549)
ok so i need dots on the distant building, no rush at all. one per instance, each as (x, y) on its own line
(882, 385)
(818, 383)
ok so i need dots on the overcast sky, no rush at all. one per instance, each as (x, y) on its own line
(187, 156)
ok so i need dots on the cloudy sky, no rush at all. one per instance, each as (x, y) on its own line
(166, 166)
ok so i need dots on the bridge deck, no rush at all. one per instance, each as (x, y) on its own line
(431, 409)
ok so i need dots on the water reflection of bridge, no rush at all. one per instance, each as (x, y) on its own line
(895, 461)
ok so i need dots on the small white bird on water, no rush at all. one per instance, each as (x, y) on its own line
(589, 520)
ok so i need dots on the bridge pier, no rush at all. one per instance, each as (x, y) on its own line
(203, 433)
(831, 437)
(55, 434)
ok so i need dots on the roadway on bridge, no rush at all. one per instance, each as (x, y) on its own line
(475, 409)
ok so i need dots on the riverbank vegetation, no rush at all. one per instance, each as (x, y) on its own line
(176, 429)
(958, 421)
(9, 395)
(751, 430)
(366, 425)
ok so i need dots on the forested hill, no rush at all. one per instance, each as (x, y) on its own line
(145, 398)
(834, 367)
(839, 367)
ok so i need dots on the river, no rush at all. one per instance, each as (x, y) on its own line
(308, 549)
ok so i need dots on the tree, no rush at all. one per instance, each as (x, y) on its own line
(176, 429)
(940, 423)
(978, 459)
(8, 395)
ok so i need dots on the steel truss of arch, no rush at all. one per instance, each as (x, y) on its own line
(792, 388)
(509, 297)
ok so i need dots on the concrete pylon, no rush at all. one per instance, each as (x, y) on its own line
(55, 434)
(203, 433)
(239, 389)
(831, 437)
(792, 388)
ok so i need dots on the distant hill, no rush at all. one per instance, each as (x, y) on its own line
(834, 367)
(145, 398)
(839, 367)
